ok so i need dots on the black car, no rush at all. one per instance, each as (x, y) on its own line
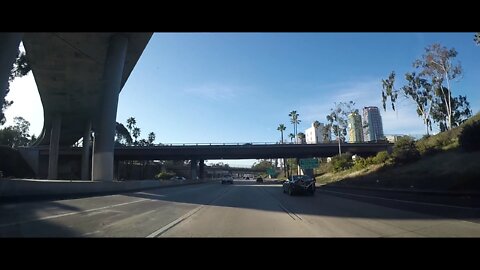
(260, 179)
(299, 183)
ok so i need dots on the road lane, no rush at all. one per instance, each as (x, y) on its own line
(133, 214)
(245, 208)
(324, 215)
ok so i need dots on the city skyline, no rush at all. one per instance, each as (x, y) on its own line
(224, 87)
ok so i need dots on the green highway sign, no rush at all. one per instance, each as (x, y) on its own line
(271, 171)
(310, 163)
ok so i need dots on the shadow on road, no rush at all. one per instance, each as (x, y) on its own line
(328, 201)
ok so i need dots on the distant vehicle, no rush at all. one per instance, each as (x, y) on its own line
(259, 179)
(299, 183)
(227, 179)
(178, 178)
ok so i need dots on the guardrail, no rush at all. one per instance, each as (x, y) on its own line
(221, 144)
(258, 143)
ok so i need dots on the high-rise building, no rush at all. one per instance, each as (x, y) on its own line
(372, 124)
(316, 135)
(355, 130)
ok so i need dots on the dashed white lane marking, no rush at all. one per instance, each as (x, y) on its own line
(71, 213)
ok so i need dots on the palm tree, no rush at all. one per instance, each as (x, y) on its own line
(294, 120)
(281, 128)
(326, 131)
(301, 136)
(291, 136)
(316, 124)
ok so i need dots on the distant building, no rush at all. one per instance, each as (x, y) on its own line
(372, 124)
(355, 130)
(316, 135)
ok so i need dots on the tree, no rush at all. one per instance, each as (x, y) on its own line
(326, 132)
(20, 68)
(131, 124)
(316, 124)
(437, 65)
(301, 136)
(405, 150)
(461, 112)
(388, 91)
(143, 142)
(291, 136)
(281, 128)
(122, 135)
(133, 129)
(262, 165)
(136, 133)
(417, 90)
(421, 92)
(338, 120)
(429, 88)
(16, 135)
(477, 38)
(151, 138)
(295, 121)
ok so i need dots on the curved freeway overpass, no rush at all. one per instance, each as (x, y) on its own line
(79, 77)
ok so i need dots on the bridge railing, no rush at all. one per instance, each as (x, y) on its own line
(221, 144)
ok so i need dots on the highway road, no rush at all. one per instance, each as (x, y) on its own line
(244, 209)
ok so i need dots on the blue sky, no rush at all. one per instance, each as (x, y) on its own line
(238, 87)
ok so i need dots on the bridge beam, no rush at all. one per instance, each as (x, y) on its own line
(86, 152)
(105, 129)
(53, 151)
(9, 43)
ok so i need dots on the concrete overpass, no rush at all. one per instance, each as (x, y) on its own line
(267, 151)
(79, 77)
(198, 153)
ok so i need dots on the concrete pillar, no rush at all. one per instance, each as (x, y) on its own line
(54, 143)
(202, 169)
(9, 43)
(299, 170)
(86, 152)
(104, 135)
(193, 168)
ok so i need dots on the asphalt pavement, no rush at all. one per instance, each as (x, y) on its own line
(242, 209)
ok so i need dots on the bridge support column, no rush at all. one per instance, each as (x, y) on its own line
(105, 130)
(202, 169)
(193, 168)
(299, 170)
(54, 142)
(9, 43)
(86, 152)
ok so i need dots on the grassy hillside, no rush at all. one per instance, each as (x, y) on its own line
(443, 166)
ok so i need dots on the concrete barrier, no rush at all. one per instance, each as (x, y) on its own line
(24, 189)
